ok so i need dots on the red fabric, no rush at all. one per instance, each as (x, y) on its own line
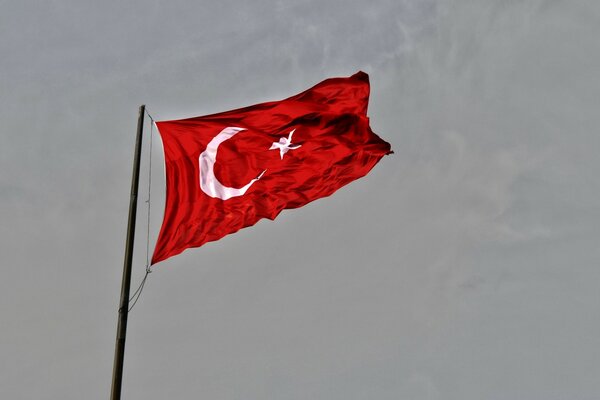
(337, 147)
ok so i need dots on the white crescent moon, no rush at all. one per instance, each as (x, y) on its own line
(208, 181)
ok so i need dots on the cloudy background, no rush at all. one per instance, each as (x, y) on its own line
(465, 266)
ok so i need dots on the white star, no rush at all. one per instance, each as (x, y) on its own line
(285, 144)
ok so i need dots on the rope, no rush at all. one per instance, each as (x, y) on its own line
(149, 195)
(138, 292)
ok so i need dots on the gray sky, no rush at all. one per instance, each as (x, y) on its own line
(463, 267)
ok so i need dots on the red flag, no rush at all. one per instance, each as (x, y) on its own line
(226, 171)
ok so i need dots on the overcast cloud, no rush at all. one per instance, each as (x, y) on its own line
(464, 266)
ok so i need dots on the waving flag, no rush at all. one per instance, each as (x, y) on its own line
(226, 171)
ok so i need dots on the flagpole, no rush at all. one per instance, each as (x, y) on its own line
(126, 283)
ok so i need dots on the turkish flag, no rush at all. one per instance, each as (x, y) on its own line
(226, 171)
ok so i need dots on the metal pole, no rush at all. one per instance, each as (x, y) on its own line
(126, 283)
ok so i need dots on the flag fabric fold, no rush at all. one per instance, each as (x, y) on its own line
(228, 170)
